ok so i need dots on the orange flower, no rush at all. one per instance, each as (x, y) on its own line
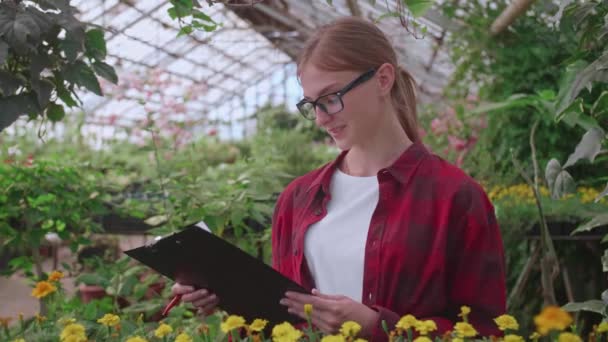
(55, 276)
(43, 289)
(552, 318)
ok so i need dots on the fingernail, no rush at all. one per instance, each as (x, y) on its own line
(283, 302)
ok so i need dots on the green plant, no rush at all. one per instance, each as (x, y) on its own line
(43, 198)
(45, 54)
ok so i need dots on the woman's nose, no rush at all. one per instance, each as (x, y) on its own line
(321, 117)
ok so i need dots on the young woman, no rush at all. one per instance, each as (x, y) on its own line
(387, 228)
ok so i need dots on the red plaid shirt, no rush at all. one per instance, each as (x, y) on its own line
(433, 243)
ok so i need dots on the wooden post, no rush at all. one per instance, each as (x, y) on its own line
(508, 16)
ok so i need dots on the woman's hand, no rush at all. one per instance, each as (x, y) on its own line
(330, 312)
(205, 301)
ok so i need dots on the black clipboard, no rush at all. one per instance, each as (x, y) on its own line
(245, 285)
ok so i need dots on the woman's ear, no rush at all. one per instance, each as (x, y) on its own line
(386, 77)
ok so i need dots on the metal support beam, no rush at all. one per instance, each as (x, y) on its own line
(508, 16)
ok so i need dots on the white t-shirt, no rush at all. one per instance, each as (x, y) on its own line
(335, 246)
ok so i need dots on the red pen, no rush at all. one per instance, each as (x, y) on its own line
(174, 302)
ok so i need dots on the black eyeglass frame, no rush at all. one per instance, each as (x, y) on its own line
(350, 86)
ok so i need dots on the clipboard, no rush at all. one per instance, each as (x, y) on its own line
(245, 285)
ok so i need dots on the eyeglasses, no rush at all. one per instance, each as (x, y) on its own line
(331, 103)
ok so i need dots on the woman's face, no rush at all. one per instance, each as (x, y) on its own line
(357, 121)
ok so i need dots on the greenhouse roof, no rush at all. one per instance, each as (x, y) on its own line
(247, 62)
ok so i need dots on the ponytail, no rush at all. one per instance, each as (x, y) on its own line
(404, 100)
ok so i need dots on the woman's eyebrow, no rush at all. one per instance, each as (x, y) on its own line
(323, 91)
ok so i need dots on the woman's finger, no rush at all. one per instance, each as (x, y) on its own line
(196, 295)
(205, 301)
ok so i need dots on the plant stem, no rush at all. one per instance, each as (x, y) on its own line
(549, 265)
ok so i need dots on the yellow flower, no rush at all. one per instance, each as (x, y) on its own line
(505, 322)
(360, 340)
(136, 339)
(308, 309)
(406, 322)
(602, 328)
(568, 337)
(513, 338)
(231, 323)
(285, 332)
(457, 339)
(333, 338)
(183, 337)
(55, 276)
(350, 329)
(464, 311)
(258, 325)
(109, 320)
(43, 289)
(552, 318)
(422, 339)
(19, 340)
(424, 327)
(464, 329)
(73, 332)
(163, 330)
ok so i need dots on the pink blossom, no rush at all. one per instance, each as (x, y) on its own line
(456, 143)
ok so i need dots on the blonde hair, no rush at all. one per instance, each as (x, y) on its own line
(351, 43)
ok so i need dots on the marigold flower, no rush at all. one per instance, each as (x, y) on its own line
(513, 338)
(308, 309)
(55, 276)
(464, 329)
(43, 289)
(602, 328)
(406, 322)
(333, 338)
(231, 323)
(183, 337)
(350, 329)
(136, 339)
(422, 339)
(568, 337)
(424, 327)
(109, 320)
(258, 325)
(285, 332)
(505, 322)
(73, 332)
(360, 340)
(464, 311)
(163, 330)
(552, 318)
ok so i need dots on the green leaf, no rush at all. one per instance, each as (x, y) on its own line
(73, 43)
(202, 16)
(418, 7)
(588, 148)
(43, 89)
(515, 100)
(330, 2)
(63, 93)
(602, 194)
(106, 71)
(596, 221)
(15, 106)
(594, 305)
(20, 30)
(3, 52)
(55, 112)
(9, 82)
(95, 44)
(559, 180)
(578, 76)
(600, 106)
(201, 25)
(185, 30)
(81, 74)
